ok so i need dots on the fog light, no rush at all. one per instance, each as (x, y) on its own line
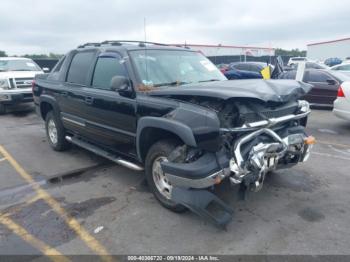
(310, 140)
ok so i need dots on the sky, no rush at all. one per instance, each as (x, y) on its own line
(44, 26)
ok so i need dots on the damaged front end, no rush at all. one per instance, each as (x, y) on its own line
(255, 138)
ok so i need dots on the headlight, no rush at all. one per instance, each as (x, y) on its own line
(4, 83)
(303, 105)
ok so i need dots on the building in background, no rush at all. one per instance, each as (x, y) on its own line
(335, 48)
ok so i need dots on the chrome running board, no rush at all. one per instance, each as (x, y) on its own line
(98, 151)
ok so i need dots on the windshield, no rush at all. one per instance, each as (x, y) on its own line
(18, 65)
(158, 68)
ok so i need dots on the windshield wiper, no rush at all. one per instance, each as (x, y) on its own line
(209, 80)
(175, 83)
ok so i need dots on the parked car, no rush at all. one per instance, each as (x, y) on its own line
(332, 61)
(343, 68)
(233, 74)
(294, 60)
(245, 70)
(342, 104)
(16, 76)
(250, 66)
(170, 112)
(325, 85)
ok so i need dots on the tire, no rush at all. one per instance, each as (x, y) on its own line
(2, 109)
(157, 153)
(55, 132)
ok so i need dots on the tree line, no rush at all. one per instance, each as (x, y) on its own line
(35, 56)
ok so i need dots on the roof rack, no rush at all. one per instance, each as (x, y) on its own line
(121, 42)
(89, 44)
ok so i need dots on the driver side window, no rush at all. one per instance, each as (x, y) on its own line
(106, 68)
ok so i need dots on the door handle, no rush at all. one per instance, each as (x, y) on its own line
(89, 100)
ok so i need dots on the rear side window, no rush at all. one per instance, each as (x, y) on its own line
(344, 67)
(56, 71)
(79, 68)
(313, 66)
(242, 67)
(106, 68)
(255, 68)
(316, 76)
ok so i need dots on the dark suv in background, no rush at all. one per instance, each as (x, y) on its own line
(171, 112)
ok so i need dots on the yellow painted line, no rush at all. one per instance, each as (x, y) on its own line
(333, 144)
(89, 240)
(53, 254)
(32, 200)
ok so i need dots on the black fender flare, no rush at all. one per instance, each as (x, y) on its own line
(183, 131)
(50, 100)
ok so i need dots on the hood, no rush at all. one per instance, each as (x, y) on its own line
(265, 90)
(17, 74)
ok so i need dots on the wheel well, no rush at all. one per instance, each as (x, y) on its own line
(45, 108)
(151, 135)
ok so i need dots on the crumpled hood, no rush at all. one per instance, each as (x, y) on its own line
(265, 90)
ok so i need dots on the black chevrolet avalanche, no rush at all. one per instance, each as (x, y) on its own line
(170, 112)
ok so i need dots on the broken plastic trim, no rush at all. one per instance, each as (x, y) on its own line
(205, 204)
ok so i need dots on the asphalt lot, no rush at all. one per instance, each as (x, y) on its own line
(106, 209)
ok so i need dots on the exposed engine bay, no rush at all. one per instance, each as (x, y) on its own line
(255, 138)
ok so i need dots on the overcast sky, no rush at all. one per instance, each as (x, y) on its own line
(43, 26)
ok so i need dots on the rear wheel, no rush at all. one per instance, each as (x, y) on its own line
(55, 132)
(156, 179)
(2, 109)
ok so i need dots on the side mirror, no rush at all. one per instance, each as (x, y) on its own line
(46, 69)
(331, 82)
(122, 85)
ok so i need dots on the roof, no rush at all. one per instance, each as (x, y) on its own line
(331, 41)
(14, 58)
(130, 45)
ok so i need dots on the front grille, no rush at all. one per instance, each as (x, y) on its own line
(279, 112)
(23, 82)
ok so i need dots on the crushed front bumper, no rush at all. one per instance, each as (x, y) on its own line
(258, 150)
(212, 168)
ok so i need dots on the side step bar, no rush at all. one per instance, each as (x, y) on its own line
(103, 153)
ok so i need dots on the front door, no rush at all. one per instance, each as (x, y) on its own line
(110, 116)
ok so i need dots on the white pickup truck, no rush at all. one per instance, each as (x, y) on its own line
(16, 76)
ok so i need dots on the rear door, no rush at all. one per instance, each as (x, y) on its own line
(72, 96)
(325, 87)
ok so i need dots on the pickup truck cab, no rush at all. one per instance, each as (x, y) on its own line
(170, 112)
(16, 76)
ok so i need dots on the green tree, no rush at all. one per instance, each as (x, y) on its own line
(293, 52)
(2, 53)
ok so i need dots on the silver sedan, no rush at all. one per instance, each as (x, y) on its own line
(342, 104)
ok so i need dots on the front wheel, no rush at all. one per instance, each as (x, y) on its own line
(156, 179)
(55, 132)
